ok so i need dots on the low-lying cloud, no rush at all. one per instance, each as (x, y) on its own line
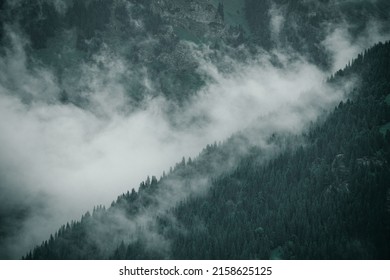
(344, 47)
(59, 160)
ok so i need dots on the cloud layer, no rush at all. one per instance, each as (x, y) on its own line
(59, 160)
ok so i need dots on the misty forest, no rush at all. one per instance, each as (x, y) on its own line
(199, 129)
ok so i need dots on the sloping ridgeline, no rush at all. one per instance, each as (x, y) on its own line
(326, 199)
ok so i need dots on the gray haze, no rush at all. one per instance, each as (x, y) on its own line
(59, 160)
(344, 48)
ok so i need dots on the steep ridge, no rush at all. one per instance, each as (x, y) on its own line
(108, 61)
(323, 199)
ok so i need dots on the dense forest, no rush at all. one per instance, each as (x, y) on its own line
(92, 91)
(328, 199)
(150, 35)
(323, 195)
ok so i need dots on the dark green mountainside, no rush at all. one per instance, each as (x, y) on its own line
(291, 23)
(328, 199)
(321, 195)
(152, 36)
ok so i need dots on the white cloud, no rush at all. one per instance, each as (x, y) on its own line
(75, 158)
(344, 47)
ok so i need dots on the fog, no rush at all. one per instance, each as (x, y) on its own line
(59, 160)
(344, 47)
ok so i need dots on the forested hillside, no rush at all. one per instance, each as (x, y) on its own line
(327, 199)
(153, 36)
(320, 195)
(95, 95)
(296, 23)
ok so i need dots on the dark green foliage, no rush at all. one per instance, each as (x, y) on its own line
(106, 24)
(101, 235)
(304, 25)
(41, 21)
(90, 20)
(257, 14)
(327, 199)
(220, 12)
(2, 2)
(175, 74)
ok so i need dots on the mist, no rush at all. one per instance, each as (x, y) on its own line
(343, 47)
(58, 160)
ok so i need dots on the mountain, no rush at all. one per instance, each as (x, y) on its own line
(303, 25)
(96, 94)
(150, 35)
(326, 198)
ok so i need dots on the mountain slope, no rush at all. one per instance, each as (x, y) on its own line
(152, 36)
(107, 91)
(324, 199)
